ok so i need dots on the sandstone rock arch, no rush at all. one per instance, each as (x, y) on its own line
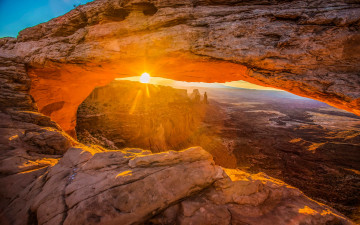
(310, 48)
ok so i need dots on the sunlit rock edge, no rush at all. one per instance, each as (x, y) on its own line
(49, 178)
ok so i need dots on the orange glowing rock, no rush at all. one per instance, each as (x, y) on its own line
(68, 56)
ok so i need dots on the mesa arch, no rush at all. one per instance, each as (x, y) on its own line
(308, 48)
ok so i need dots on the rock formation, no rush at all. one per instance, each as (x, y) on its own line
(256, 131)
(91, 185)
(311, 146)
(195, 96)
(205, 100)
(310, 48)
(130, 114)
(306, 47)
(29, 141)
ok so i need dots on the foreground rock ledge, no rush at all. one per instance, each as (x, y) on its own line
(133, 186)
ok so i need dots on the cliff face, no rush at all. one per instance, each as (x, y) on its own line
(30, 142)
(130, 114)
(310, 48)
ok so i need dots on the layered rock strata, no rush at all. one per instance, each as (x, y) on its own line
(306, 47)
(29, 141)
(310, 48)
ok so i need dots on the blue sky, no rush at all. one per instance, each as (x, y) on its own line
(16, 15)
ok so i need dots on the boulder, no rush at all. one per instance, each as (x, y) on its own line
(133, 186)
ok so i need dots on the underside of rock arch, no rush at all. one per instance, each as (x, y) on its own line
(310, 48)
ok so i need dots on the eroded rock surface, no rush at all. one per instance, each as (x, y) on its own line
(91, 185)
(310, 48)
(133, 186)
(30, 142)
(305, 143)
(159, 118)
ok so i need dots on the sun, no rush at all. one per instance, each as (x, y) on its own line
(145, 78)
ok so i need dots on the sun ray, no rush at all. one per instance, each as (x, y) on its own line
(133, 107)
(147, 91)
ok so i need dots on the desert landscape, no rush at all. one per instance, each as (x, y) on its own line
(286, 136)
(263, 130)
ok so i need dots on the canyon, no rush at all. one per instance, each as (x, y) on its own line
(159, 118)
(310, 48)
(48, 177)
(287, 137)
